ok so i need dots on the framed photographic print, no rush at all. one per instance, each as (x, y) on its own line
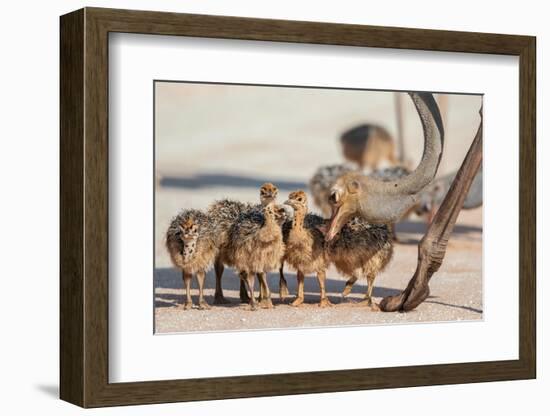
(256, 207)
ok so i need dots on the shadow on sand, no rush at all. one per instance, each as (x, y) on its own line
(405, 229)
(170, 278)
(209, 180)
(466, 308)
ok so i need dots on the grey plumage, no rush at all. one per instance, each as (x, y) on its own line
(432, 196)
(389, 174)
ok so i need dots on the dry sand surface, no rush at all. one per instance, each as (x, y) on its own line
(213, 143)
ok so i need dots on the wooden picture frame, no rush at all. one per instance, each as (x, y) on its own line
(84, 207)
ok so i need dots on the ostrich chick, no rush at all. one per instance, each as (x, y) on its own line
(257, 247)
(192, 249)
(223, 215)
(305, 247)
(268, 194)
(361, 250)
(283, 218)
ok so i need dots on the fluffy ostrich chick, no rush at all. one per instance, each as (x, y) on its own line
(190, 243)
(305, 247)
(361, 251)
(257, 247)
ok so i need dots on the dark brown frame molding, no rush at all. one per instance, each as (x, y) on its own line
(84, 207)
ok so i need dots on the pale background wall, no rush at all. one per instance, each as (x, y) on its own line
(29, 208)
(249, 126)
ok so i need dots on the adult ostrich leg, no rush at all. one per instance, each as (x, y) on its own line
(433, 245)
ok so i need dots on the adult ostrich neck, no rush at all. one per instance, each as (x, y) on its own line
(385, 202)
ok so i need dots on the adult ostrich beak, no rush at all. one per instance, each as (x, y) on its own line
(355, 194)
(337, 221)
(344, 203)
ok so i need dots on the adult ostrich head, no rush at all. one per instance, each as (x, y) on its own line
(355, 194)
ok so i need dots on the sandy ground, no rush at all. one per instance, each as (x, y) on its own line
(220, 142)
